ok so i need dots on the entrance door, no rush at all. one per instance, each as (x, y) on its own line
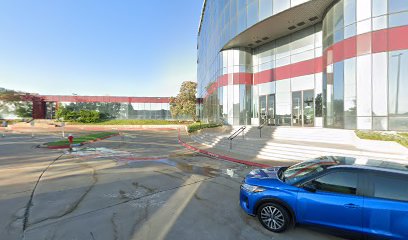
(267, 109)
(262, 109)
(297, 111)
(271, 109)
(308, 108)
(303, 108)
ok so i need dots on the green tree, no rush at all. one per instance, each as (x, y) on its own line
(184, 104)
(24, 109)
(13, 102)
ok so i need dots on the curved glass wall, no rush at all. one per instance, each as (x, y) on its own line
(254, 86)
(228, 96)
(365, 83)
(222, 21)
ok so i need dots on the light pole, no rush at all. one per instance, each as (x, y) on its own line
(398, 80)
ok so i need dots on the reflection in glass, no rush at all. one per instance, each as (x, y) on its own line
(308, 108)
(262, 109)
(364, 86)
(265, 9)
(297, 108)
(252, 16)
(398, 19)
(338, 95)
(363, 9)
(379, 7)
(349, 12)
(398, 83)
(280, 5)
(283, 102)
(397, 6)
(380, 74)
(350, 97)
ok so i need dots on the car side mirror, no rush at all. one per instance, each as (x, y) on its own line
(309, 187)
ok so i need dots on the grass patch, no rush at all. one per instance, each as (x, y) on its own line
(401, 138)
(404, 134)
(197, 126)
(82, 139)
(134, 122)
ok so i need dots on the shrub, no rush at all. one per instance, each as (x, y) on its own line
(197, 126)
(87, 116)
(83, 116)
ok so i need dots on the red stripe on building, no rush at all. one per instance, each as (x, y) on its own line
(397, 38)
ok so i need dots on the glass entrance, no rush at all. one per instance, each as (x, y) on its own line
(303, 108)
(297, 109)
(271, 109)
(308, 108)
(262, 109)
(267, 109)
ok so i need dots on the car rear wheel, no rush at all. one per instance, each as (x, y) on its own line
(273, 217)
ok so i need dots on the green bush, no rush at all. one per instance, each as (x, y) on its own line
(135, 122)
(197, 126)
(87, 116)
(83, 116)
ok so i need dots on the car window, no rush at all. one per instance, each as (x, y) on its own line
(303, 170)
(390, 188)
(338, 182)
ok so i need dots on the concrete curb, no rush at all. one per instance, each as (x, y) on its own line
(219, 156)
(81, 144)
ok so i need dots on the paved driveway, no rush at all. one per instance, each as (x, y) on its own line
(140, 186)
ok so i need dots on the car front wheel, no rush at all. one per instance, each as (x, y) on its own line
(273, 217)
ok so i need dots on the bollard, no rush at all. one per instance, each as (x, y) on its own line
(32, 123)
(63, 129)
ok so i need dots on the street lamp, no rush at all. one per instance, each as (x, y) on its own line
(398, 80)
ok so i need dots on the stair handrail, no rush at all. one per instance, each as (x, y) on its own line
(262, 125)
(236, 133)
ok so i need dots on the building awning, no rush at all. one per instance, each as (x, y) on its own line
(281, 24)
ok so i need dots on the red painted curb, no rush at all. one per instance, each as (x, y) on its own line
(91, 141)
(226, 158)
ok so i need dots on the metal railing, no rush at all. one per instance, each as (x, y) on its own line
(265, 122)
(235, 134)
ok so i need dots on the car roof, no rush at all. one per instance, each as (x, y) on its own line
(365, 163)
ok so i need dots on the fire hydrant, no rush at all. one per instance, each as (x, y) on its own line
(71, 141)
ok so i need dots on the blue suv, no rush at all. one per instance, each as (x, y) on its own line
(368, 197)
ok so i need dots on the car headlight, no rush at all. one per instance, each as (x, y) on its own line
(250, 188)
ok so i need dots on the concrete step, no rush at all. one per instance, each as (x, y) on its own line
(325, 135)
(275, 150)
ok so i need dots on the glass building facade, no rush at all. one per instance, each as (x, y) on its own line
(121, 110)
(344, 66)
(45, 106)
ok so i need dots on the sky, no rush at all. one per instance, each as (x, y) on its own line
(98, 47)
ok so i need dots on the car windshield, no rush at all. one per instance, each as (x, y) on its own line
(303, 170)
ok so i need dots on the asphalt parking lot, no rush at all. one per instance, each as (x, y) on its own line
(142, 185)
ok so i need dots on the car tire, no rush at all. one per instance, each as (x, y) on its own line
(273, 217)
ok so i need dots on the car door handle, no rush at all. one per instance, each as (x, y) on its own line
(351, 205)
